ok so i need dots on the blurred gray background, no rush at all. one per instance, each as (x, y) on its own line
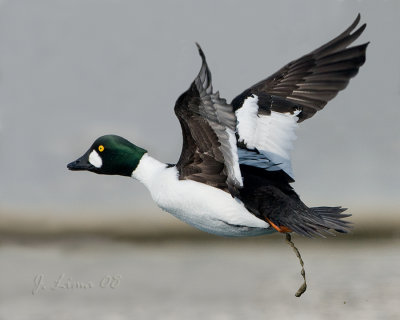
(72, 70)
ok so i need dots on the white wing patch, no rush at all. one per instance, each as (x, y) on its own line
(272, 135)
(247, 121)
(234, 152)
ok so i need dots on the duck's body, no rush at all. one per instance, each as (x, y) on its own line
(234, 172)
(200, 205)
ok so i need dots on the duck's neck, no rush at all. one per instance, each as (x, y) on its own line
(148, 170)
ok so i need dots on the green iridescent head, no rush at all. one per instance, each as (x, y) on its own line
(110, 154)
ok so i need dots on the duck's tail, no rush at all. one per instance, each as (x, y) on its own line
(312, 222)
(332, 217)
(320, 220)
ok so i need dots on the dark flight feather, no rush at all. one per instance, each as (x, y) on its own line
(316, 78)
(207, 154)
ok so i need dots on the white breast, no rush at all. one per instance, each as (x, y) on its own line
(202, 206)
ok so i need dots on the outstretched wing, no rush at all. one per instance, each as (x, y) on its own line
(209, 152)
(268, 112)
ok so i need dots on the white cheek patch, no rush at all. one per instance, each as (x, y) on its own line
(95, 159)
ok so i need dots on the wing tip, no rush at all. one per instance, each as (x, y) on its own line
(357, 32)
(358, 18)
(201, 53)
(204, 77)
(355, 22)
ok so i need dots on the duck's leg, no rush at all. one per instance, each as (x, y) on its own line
(281, 229)
(303, 287)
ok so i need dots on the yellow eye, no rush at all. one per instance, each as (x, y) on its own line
(101, 148)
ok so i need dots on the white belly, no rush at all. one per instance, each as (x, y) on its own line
(204, 207)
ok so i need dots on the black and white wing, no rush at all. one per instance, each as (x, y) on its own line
(209, 152)
(269, 111)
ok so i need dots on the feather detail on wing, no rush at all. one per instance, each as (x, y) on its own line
(268, 112)
(209, 152)
(266, 137)
(317, 77)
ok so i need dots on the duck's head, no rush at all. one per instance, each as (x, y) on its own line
(110, 154)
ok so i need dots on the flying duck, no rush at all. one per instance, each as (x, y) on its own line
(234, 173)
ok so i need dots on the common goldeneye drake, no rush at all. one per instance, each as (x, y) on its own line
(234, 172)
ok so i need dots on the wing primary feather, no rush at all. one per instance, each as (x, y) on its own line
(209, 153)
(327, 68)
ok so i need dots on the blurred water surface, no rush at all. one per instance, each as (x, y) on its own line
(227, 279)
